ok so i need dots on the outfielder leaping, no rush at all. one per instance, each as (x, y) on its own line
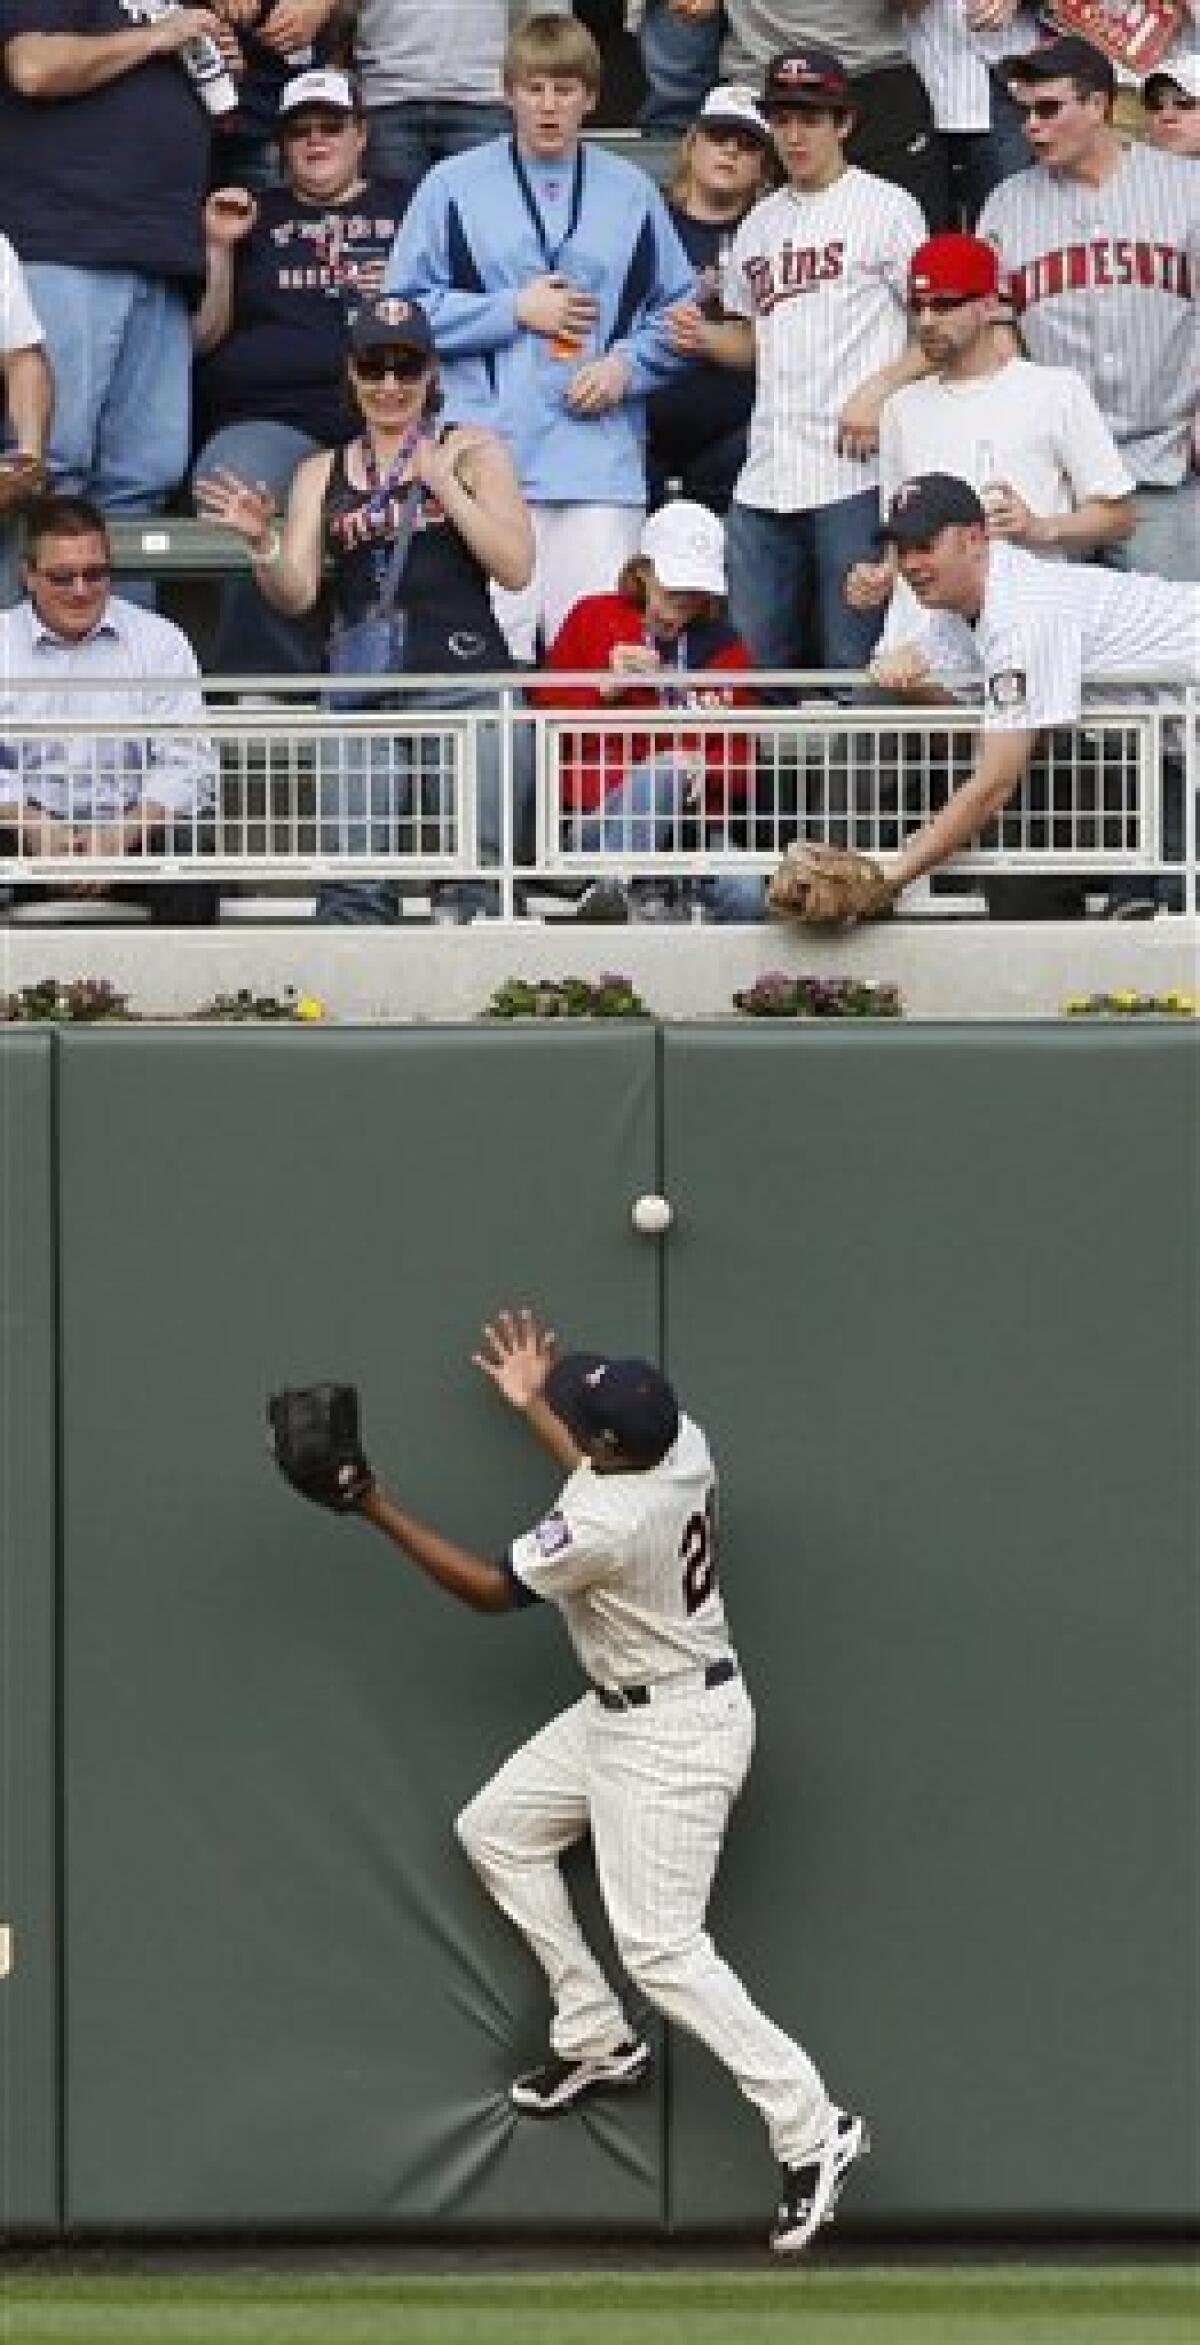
(650, 1760)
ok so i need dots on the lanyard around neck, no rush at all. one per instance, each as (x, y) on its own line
(551, 254)
(380, 485)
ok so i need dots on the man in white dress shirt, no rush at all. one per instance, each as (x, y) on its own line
(74, 649)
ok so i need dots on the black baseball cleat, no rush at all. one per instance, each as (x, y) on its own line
(548, 2091)
(809, 2191)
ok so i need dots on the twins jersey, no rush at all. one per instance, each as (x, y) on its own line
(630, 1560)
(1103, 279)
(954, 58)
(824, 280)
(1048, 629)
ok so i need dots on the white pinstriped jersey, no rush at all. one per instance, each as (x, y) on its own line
(1049, 629)
(1104, 279)
(630, 1560)
(954, 58)
(824, 279)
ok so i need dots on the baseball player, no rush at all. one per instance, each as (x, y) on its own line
(814, 296)
(1034, 632)
(649, 1760)
(1099, 243)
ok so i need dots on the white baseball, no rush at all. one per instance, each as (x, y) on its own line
(652, 1215)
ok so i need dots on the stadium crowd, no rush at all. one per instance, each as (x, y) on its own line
(354, 283)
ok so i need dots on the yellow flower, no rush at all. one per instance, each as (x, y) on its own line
(1078, 1005)
(310, 1008)
(1183, 1003)
(1124, 1001)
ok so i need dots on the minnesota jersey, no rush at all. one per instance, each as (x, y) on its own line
(631, 1562)
(1104, 279)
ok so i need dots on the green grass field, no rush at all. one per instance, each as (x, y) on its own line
(979, 2304)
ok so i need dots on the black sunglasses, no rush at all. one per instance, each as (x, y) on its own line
(403, 365)
(77, 574)
(1040, 109)
(941, 303)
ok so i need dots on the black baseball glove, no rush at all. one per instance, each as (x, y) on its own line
(316, 1444)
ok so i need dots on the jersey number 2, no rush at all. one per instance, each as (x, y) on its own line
(698, 1549)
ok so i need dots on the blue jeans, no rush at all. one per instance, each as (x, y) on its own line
(252, 639)
(120, 348)
(681, 59)
(406, 139)
(1166, 535)
(786, 572)
(645, 814)
(384, 795)
(981, 159)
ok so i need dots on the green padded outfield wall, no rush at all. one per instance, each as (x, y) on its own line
(936, 1293)
(29, 1970)
(288, 2000)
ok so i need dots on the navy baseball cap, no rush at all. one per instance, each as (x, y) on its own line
(933, 501)
(1065, 59)
(811, 76)
(391, 323)
(628, 1402)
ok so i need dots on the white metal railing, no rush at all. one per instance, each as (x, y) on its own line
(416, 783)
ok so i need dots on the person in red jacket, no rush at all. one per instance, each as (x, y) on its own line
(632, 793)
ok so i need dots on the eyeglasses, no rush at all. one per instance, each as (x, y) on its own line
(940, 303)
(79, 574)
(1041, 109)
(403, 365)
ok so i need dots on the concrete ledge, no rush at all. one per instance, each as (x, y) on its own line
(973, 969)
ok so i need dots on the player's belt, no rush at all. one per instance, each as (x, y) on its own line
(635, 1697)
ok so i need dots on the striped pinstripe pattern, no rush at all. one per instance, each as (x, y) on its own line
(1104, 279)
(824, 279)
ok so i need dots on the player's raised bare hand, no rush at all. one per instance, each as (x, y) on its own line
(518, 1356)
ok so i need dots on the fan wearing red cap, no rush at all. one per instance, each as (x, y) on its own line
(1030, 439)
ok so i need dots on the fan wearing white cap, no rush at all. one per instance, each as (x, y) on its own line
(286, 269)
(696, 427)
(633, 792)
(1171, 97)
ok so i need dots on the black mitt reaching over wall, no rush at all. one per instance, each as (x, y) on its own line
(316, 1444)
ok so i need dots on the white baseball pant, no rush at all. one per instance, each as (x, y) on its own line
(655, 1785)
(581, 550)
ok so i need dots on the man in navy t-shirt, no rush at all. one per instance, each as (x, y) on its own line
(104, 144)
(287, 269)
